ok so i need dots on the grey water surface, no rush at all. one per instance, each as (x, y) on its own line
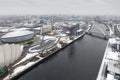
(79, 61)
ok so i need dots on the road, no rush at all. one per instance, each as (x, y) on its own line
(79, 61)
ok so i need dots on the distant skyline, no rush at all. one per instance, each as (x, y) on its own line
(60, 7)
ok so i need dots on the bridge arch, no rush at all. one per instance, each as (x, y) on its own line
(99, 30)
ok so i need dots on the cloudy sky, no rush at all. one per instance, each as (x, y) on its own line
(82, 7)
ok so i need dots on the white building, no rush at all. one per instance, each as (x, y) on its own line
(46, 28)
(17, 36)
(9, 53)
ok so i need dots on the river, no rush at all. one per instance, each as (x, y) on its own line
(79, 61)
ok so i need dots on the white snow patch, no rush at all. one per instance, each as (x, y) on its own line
(26, 57)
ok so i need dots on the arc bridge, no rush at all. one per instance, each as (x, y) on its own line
(99, 30)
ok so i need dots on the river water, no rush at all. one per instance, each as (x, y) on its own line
(79, 61)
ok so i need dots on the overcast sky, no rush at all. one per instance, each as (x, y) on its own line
(82, 7)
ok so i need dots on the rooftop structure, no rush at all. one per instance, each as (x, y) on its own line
(17, 36)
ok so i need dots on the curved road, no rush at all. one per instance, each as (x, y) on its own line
(79, 61)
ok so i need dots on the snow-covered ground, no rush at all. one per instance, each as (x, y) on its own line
(28, 56)
(22, 68)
